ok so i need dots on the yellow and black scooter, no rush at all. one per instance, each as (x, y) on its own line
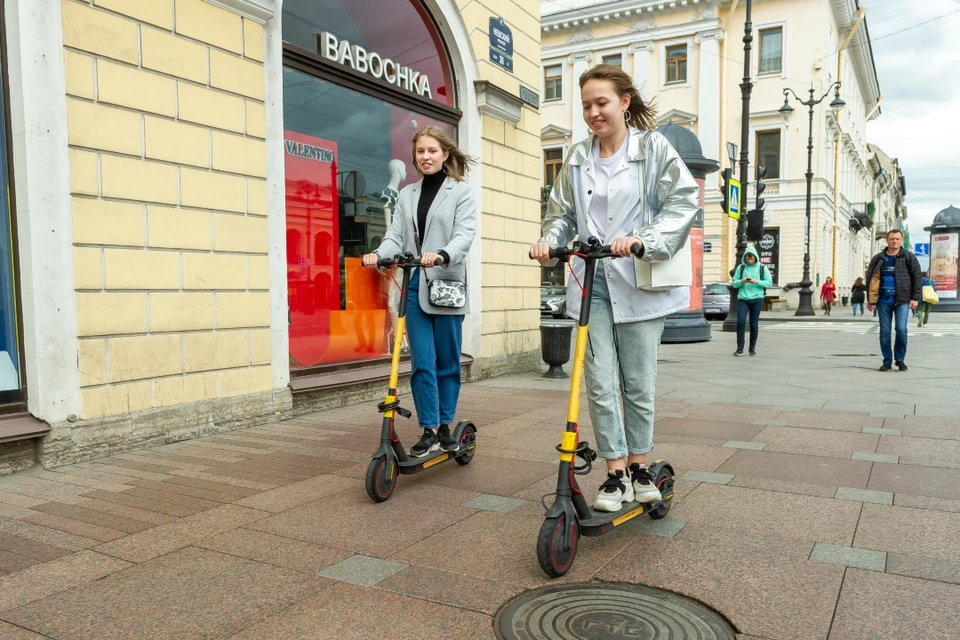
(570, 516)
(391, 459)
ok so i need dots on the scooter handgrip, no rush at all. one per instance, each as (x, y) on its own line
(637, 250)
(438, 262)
(385, 263)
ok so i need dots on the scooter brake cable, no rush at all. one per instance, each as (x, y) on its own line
(583, 291)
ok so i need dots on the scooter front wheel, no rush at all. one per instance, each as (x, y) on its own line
(554, 556)
(381, 479)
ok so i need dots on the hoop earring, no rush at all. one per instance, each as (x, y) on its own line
(626, 116)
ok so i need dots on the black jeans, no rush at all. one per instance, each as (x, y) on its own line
(751, 307)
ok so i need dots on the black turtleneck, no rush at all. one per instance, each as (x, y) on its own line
(428, 192)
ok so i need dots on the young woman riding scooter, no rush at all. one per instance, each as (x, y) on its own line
(626, 186)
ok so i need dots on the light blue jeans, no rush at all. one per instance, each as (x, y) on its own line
(621, 371)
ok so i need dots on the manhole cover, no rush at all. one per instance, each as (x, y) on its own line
(601, 611)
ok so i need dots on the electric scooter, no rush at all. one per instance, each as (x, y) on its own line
(391, 458)
(570, 516)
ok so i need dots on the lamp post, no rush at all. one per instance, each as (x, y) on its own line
(746, 87)
(805, 307)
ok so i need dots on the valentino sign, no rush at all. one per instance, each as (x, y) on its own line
(372, 63)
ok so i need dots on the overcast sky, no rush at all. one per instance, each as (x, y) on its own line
(919, 124)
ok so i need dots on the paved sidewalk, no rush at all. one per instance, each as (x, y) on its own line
(795, 522)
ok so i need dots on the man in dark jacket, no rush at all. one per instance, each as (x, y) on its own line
(894, 288)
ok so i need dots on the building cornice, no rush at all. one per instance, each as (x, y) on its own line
(258, 10)
(860, 51)
(633, 13)
(633, 39)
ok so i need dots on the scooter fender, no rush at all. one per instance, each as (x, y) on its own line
(458, 430)
(659, 465)
(563, 506)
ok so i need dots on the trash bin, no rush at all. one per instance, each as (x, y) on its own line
(555, 347)
(845, 300)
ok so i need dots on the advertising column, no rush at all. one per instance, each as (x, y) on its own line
(943, 263)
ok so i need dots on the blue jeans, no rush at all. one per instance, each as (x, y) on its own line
(855, 305)
(621, 371)
(435, 343)
(890, 313)
(751, 307)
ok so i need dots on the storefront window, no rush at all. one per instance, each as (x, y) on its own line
(10, 362)
(346, 152)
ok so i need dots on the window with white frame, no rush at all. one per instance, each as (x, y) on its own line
(676, 60)
(771, 50)
(553, 82)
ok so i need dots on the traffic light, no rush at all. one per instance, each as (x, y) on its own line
(755, 225)
(761, 173)
(724, 189)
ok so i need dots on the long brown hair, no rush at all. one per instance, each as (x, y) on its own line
(858, 281)
(457, 163)
(642, 114)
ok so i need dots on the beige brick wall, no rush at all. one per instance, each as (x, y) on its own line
(510, 202)
(168, 159)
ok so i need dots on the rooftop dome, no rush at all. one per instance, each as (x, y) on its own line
(688, 146)
(949, 217)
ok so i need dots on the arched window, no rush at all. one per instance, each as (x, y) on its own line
(360, 78)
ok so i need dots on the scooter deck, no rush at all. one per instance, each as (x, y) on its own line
(601, 522)
(416, 465)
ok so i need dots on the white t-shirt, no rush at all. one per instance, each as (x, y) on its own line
(599, 208)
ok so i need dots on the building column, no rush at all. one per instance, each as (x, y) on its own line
(708, 104)
(641, 67)
(579, 62)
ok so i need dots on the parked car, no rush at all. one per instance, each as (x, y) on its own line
(716, 300)
(553, 302)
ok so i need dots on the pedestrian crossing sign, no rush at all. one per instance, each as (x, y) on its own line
(733, 199)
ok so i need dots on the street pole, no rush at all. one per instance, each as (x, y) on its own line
(805, 305)
(746, 87)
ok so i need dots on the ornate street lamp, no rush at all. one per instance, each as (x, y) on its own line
(805, 308)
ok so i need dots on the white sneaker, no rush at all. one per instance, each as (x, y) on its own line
(613, 493)
(644, 488)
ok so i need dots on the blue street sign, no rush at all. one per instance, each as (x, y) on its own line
(707, 247)
(501, 37)
(922, 249)
(501, 60)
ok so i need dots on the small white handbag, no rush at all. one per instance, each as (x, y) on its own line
(669, 274)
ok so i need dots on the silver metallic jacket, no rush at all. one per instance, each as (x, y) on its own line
(652, 197)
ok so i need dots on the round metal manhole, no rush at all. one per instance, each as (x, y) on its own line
(603, 611)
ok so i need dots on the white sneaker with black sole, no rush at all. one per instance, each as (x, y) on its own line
(613, 493)
(643, 484)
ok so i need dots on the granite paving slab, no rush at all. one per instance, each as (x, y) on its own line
(909, 532)
(933, 482)
(745, 585)
(361, 570)
(767, 484)
(451, 588)
(293, 495)
(932, 612)
(784, 515)
(798, 468)
(275, 550)
(703, 426)
(709, 533)
(11, 632)
(191, 593)
(39, 581)
(361, 613)
(849, 556)
(936, 569)
(816, 442)
(925, 452)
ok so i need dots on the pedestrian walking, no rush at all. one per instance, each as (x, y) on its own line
(828, 293)
(435, 218)
(893, 289)
(858, 294)
(751, 279)
(923, 309)
(626, 185)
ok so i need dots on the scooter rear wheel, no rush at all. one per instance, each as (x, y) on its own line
(381, 479)
(664, 482)
(553, 559)
(467, 439)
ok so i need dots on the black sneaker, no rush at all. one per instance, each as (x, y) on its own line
(886, 367)
(446, 442)
(753, 352)
(901, 365)
(738, 352)
(428, 444)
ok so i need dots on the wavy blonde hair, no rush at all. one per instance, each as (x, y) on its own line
(457, 163)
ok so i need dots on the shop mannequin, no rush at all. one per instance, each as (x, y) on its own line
(398, 173)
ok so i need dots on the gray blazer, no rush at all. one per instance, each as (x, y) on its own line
(451, 227)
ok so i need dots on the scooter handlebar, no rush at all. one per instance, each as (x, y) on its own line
(591, 249)
(404, 260)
